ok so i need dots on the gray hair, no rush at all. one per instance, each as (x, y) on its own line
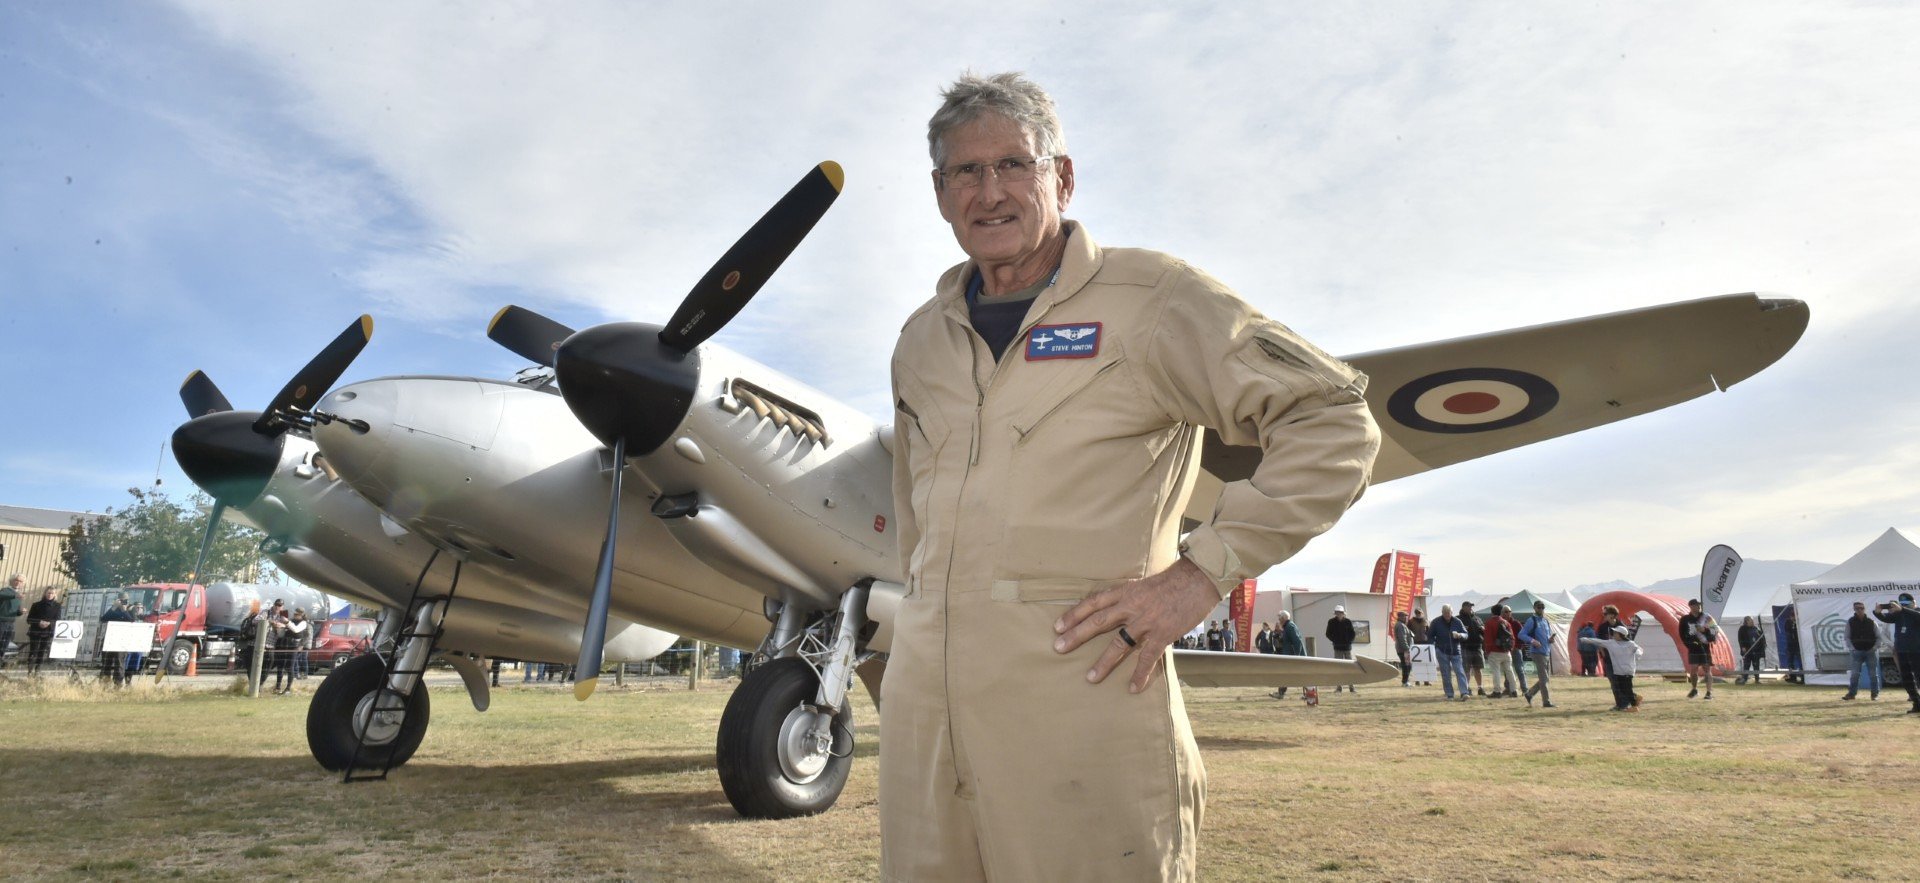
(1010, 95)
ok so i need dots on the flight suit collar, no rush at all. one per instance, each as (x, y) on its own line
(1078, 265)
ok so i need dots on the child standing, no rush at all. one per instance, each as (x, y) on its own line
(1623, 654)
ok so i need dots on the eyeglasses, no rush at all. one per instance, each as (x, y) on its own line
(1006, 170)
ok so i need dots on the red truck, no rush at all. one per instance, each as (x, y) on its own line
(208, 622)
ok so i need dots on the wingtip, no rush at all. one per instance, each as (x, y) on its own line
(835, 175)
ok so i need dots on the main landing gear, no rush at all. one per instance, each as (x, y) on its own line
(786, 738)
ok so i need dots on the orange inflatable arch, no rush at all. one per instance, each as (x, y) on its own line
(1663, 609)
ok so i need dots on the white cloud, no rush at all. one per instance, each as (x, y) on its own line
(1373, 174)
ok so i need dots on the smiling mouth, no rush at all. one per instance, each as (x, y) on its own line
(993, 222)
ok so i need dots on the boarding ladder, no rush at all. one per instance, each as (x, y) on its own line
(391, 656)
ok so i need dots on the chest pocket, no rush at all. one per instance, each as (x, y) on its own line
(1069, 388)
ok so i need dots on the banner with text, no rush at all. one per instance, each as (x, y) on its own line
(1406, 580)
(1241, 609)
(1717, 574)
(1380, 570)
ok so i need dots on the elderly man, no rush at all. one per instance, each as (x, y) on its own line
(1049, 403)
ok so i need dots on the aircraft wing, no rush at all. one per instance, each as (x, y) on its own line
(1443, 403)
(1205, 668)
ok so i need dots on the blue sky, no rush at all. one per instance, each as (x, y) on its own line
(225, 186)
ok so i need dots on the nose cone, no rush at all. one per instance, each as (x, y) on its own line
(225, 457)
(621, 381)
(355, 454)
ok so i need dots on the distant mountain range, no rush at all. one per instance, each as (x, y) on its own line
(1758, 583)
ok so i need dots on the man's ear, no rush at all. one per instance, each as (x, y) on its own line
(1064, 172)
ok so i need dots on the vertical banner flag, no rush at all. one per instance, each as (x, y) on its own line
(1241, 609)
(1716, 579)
(1406, 580)
(1380, 569)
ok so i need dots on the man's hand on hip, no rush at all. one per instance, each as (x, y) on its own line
(1155, 612)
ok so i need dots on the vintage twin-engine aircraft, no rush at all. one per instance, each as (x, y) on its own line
(763, 515)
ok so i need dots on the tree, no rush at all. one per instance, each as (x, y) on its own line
(154, 539)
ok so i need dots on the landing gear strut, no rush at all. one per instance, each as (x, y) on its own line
(786, 738)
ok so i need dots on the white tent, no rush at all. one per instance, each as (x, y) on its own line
(1880, 572)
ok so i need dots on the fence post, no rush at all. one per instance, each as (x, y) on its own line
(693, 671)
(259, 658)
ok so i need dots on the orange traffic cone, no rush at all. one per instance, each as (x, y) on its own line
(193, 665)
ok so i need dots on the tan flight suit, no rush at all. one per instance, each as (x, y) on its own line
(1024, 485)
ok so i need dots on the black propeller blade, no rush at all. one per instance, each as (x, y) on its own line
(527, 334)
(740, 273)
(317, 377)
(593, 640)
(631, 384)
(201, 397)
(232, 454)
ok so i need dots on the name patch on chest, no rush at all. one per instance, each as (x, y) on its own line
(1080, 341)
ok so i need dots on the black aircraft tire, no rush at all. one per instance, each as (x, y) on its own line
(179, 652)
(747, 750)
(330, 718)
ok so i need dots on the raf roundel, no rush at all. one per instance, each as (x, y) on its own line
(1472, 400)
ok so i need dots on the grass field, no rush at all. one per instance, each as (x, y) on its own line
(1763, 783)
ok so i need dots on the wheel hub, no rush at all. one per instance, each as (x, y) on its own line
(806, 744)
(378, 726)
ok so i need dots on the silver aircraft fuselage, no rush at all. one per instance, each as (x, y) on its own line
(742, 504)
(325, 535)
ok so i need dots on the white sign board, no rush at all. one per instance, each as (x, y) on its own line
(66, 639)
(127, 637)
(1424, 669)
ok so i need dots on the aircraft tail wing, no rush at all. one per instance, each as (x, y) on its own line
(1201, 668)
(1443, 403)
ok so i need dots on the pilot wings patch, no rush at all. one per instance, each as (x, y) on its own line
(1080, 341)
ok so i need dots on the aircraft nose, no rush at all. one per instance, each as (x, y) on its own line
(223, 454)
(356, 441)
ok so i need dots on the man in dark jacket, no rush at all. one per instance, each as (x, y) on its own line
(9, 611)
(1449, 636)
(1340, 634)
(1473, 652)
(1906, 643)
(113, 665)
(1263, 642)
(1863, 641)
(40, 619)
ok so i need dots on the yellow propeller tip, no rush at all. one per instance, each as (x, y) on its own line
(835, 175)
(497, 317)
(366, 326)
(584, 688)
(190, 377)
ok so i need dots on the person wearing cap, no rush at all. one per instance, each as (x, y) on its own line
(1906, 643)
(1340, 634)
(1622, 657)
(1697, 632)
(1863, 652)
(1471, 655)
(1536, 638)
